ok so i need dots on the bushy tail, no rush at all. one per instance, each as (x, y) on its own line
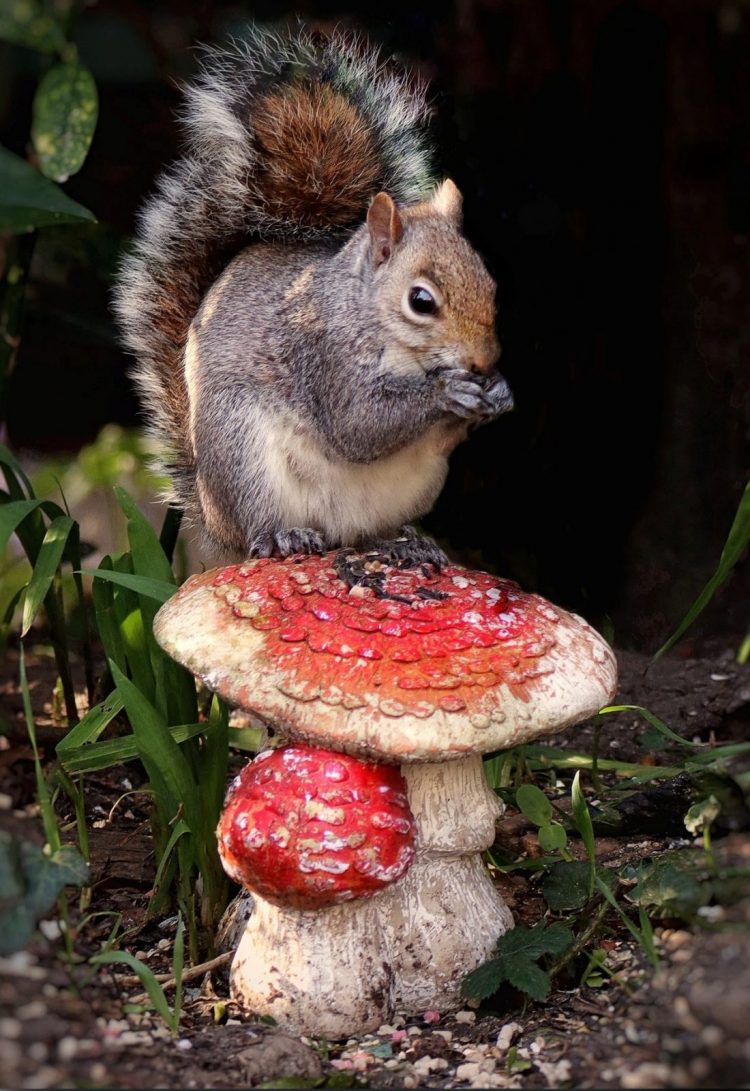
(289, 137)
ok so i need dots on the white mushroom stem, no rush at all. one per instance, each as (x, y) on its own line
(347, 969)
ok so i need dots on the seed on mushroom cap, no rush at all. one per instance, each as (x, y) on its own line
(306, 827)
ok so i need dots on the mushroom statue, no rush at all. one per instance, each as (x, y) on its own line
(374, 665)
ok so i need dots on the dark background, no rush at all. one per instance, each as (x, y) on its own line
(603, 148)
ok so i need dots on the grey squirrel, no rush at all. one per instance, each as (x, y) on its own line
(313, 333)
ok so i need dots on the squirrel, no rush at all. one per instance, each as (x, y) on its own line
(313, 333)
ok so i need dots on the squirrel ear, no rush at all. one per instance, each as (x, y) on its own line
(385, 226)
(447, 200)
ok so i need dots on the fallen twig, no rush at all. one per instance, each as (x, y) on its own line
(168, 981)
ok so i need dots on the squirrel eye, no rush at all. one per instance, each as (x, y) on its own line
(421, 301)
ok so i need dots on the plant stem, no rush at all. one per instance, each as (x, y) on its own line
(581, 941)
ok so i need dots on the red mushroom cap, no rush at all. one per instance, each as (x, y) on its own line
(307, 828)
(399, 665)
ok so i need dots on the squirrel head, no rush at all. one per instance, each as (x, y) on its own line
(433, 294)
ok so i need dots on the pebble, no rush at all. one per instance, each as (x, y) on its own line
(466, 1017)
(10, 1028)
(446, 1034)
(650, 1074)
(712, 1036)
(37, 1051)
(469, 1071)
(425, 1065)
(414, 1031)
(51, 930)
(507, 1035)
(184, 1044)
(43, 1077)
(6, 801)
(67, 1048)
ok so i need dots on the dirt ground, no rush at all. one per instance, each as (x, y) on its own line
(684, 1025)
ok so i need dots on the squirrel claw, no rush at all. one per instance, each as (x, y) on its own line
(410, 550)
(285, 543)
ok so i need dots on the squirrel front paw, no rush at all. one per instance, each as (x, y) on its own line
(461, 392)
(473, 397)
(497, 396)
(285, 543)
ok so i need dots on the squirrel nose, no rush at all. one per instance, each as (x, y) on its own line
(484, 357)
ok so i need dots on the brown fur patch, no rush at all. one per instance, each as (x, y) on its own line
(319, 162)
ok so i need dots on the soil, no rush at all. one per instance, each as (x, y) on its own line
(683, 1025)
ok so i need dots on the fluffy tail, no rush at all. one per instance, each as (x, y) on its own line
(289, 137)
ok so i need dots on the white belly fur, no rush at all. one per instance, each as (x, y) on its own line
(350, 500)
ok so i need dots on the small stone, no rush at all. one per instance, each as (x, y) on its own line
(385, 1028)
(38, 1052)
(51, 930)
(10, 1028)
(414, 1031)
(506, 1036)
(469, 1071)
(184, 1044)
(466, 1017)
(447, 1034)
(98, 1073)
(712, 1036)
(67, 1048)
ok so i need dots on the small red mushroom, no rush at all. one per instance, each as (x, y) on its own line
(307, 828)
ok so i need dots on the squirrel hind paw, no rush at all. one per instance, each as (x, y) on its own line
(409, 550)
(285, 543)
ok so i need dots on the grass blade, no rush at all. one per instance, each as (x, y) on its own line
(734, 547)
(49, 819)
(157, 590)
(146, 977)
(165, 763)
(582, 819)
(655, 722)
(95, 756)
(47, 562)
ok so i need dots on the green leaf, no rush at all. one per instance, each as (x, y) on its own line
(528, 977)
(158, 590)
(553, 837)
(25, 22)
(29, 200)
(515, 961)
(534, 804)
(533, 942)
(668, 884)
(30, 881)
(567, 885)
(65, 111)
(48, 559)
(702, 814)
(485, 980)
(734, 547)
